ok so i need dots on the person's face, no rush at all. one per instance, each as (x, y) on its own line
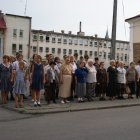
(82, 65)
(67, 60)
(52, 66)
(90, 63)
(5, 60)
(38, 60)
(35, 58)
(20, 58)
(102, 65)
(121, 65)
(21, 66)
(72, 59)
(132, 65)
(113, 63)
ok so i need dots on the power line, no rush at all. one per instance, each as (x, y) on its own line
(124, 19)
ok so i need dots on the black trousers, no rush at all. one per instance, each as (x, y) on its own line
(50, 92)
(132, 86)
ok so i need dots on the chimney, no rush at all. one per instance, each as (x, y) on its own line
(62, 31)
(96, 36)
(70, 32)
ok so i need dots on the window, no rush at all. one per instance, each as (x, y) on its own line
(104, 55)
(20, 48)
(40, 49)
(90, 53)
(53, 50)
(104, 45)
(34, 49)
(14, 49)
(80, 52)
(41, 37)
(59, 40)
(64, 51)
(91, 43)
(58, 50)
(86, 52)
(95, 44)
(109, 55)
(117, 56)
(14, 32)
(21, 33)
(47, 39)
(70, 41)
(47, 49)
(125, 57)
(53, 40)
(95, 53)
(34, 37)
(65, 41)
(75, 51)
(70, 51)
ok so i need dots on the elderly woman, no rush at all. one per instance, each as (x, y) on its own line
(121, 80)
(101, 81)
(91, 80)
(80, 75)
(65, 80)
(112, 80)
(132, 77)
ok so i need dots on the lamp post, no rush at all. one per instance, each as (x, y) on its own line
(113, 39)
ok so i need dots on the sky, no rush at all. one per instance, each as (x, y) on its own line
(57, 15)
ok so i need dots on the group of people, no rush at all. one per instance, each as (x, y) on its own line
(70, 78)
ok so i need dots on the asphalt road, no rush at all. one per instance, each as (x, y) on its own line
(109, 124)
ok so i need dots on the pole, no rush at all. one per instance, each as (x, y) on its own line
(114, 22)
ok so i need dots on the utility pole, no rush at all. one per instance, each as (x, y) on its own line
(114, 22)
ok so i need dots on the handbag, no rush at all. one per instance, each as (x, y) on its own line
(127, 89)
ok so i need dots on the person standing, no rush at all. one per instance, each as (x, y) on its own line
(19, 88)
(112, 80)
(101, 81)
(91, 80)
(52, 80)
(138, 82)
(73, 84)
(80, 75)
(37, 79)
(65, 80)
(132, 77)
(121, 80)
(5, 78)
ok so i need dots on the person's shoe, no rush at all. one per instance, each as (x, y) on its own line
(38, 104)
(54, 102)
(62, 102)
(67, 101)
(35, 104)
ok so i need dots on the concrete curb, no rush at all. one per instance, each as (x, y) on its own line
(62, 110)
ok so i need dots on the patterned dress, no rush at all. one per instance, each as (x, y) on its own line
(19, 85)
(37, 77)
(5, 75)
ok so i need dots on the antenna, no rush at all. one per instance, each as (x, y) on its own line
(25, 8)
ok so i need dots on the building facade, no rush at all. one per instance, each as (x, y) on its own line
(16, 36)
(60, 44)
(134, 37)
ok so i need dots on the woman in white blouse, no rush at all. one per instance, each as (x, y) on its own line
(91, 80)
(121, 80)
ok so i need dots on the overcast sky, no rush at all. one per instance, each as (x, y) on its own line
(59, 15)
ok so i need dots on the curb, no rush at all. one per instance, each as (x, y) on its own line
(37, 112)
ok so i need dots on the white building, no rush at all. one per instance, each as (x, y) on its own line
(16, 36)
(134, 37)
(60, 44)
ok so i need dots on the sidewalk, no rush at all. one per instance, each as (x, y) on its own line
(70, 107)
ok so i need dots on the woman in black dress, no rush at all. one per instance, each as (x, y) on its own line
(112, 80)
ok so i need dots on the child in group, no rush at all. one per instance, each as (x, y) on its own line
(19, 89)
